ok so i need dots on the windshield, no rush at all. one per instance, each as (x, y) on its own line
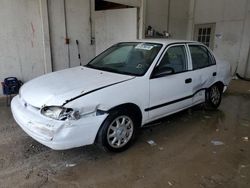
(127, 58)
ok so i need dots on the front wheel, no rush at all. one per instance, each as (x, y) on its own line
(213, 97)
(118, 131)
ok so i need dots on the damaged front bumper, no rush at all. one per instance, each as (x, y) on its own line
(57, 135)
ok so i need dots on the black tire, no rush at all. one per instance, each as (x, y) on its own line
(107, 128)
(213, 97)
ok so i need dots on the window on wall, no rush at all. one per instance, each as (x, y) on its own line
(204, 33)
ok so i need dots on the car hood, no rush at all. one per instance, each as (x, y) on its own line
(58, 87)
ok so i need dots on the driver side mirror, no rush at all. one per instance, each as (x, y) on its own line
(163, 71)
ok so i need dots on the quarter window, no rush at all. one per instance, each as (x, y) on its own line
(201, 57)
(175, 58)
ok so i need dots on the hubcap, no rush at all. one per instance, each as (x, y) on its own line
(120, 131)
(215, 95)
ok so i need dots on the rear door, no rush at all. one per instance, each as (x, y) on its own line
(171, 93)
(204, 71)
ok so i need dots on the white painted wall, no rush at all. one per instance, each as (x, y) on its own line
(157, 14)
(60, 57)
(21, 46)
(231, 21)
(76, 23)
(244, 59)
(26, 41)
(113, 26)
(178, 20)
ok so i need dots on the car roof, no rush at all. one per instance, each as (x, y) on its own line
(166, 41)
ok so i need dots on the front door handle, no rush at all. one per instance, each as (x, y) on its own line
(215, 74)
(189, 80)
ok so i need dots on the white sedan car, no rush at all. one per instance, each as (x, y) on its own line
(126, 87)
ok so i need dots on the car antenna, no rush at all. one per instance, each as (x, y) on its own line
(79, 55)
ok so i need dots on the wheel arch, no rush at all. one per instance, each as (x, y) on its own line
(126, 106)
(220, 84)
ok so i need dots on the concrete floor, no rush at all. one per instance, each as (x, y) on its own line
(184, 155)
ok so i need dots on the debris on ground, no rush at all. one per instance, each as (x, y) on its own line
(245, 123)
(207, 117)
(217, 130)
(245, 139)
(243, 166)
(161, 148)
(170, 183)
(151, 142)
(29, 174)
(70, 165)
(217, 143)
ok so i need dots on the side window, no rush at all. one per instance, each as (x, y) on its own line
(175, 58)
(201, 57)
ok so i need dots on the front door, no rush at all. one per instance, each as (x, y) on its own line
(173, 92)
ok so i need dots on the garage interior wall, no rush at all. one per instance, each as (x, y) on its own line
(168, 15)
(21, 36)
(71, 19)
(232, 29)
(231, 19)
(27, 43)
(114, 26)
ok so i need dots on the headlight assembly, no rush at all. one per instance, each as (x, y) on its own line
(60, 113)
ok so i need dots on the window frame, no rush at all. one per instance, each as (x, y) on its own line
(209, 53)
(188, 63)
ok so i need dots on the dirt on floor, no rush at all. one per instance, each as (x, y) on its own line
(194, 148)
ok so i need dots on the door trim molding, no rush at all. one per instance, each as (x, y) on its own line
(174, 101)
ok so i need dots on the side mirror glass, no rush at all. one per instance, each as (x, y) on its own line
(163, 71)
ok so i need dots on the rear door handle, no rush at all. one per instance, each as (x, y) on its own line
(215, 74)
(189, 80)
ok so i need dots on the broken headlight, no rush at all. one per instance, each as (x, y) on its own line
(60, 113)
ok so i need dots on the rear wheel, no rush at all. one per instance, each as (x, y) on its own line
(118, 131)
(213, 97)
